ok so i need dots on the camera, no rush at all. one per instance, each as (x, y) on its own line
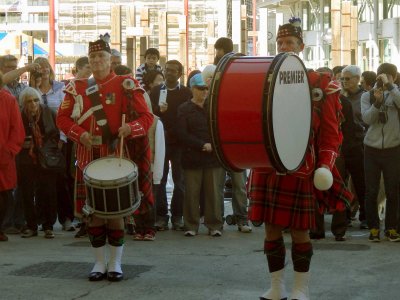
(36, 74)
(383, 117)
(379, 83)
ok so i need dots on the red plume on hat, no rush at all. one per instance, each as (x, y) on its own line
(293, 28)
(101, 44)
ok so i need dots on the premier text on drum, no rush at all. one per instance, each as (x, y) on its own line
(291, 77)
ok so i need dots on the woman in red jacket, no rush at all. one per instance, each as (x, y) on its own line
(12, 136)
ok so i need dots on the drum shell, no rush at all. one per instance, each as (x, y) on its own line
(241, 110)
(112, 198)
(239, 113)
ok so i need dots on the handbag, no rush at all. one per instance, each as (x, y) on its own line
(51, 158)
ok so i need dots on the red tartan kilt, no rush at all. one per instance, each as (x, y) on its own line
(80, 193)
(287, 200)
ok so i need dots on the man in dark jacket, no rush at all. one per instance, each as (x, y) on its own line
(165, 100)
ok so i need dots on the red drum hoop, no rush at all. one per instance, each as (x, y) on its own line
(260, 112)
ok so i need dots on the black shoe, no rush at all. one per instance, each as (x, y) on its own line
(81, 232)
(364, 225)
(317, 236)
(340, 238)
(115, 276)
(129, 229)
(262, 298)
(3, 237)
(96, 276)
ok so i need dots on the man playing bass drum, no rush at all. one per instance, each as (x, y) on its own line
(289, 200)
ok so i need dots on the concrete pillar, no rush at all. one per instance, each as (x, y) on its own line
(354, 35)
(336, 30)
(243, 30)
(210, 42)
(222, 10)
(396, 45)
(375, 36)
(131, 41)
(346, 33)
(236, 25)
(263, 32)
(144, 22)
(116, 27)
(163, 39)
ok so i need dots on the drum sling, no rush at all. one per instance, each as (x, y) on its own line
(101, 119)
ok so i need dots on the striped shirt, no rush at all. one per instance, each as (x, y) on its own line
(143, 69)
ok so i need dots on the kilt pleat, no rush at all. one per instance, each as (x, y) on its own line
(286, 200)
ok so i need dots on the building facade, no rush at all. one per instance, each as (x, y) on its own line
(363, 32)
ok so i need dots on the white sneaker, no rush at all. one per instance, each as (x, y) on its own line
(245, 228)
(215, 233)
(190, 233)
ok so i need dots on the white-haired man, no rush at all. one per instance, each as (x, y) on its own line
(95, 131)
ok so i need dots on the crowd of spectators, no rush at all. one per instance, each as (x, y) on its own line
(180, 143)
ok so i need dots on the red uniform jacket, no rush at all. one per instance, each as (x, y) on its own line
(12, 136)
(114, 99)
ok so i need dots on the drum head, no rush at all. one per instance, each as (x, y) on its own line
(289, 112)
(109, 169)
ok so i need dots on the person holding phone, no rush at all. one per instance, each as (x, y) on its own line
(380, 111)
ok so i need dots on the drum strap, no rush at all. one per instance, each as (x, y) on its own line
(101, 119)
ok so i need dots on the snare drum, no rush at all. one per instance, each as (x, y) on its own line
(260, 112)
(112, 188)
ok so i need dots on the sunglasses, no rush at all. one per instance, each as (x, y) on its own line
(345, 78)
(202, 88)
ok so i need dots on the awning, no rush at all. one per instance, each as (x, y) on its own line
(38, 50)
(3, 35)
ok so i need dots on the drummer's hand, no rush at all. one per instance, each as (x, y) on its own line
(124, 130)
(86, 139)
(325, 166)
(207, 147)
(163, 107)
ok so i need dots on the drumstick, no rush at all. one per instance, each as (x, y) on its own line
(122, 141)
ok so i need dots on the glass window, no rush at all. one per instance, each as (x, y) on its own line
(385, 50)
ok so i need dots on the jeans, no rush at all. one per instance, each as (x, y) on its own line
(386, 161)
(239, 196)
(173, 154)
(354, 164)
(14, 216)
(4, 200)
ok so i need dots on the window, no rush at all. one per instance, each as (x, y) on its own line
(385, 50)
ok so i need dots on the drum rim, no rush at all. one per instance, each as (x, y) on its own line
(213, 120)
(268, 130)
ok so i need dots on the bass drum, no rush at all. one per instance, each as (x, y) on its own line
(260, 112)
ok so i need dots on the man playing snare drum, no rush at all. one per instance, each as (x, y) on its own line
(91, 116)
(288, 200)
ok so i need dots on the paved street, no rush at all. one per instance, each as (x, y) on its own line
(175, 267)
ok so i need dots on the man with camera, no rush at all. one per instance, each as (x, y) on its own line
(380, 111)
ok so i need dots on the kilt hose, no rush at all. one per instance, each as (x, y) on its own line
(287, 201)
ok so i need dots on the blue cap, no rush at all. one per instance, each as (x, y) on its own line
(197, 80)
